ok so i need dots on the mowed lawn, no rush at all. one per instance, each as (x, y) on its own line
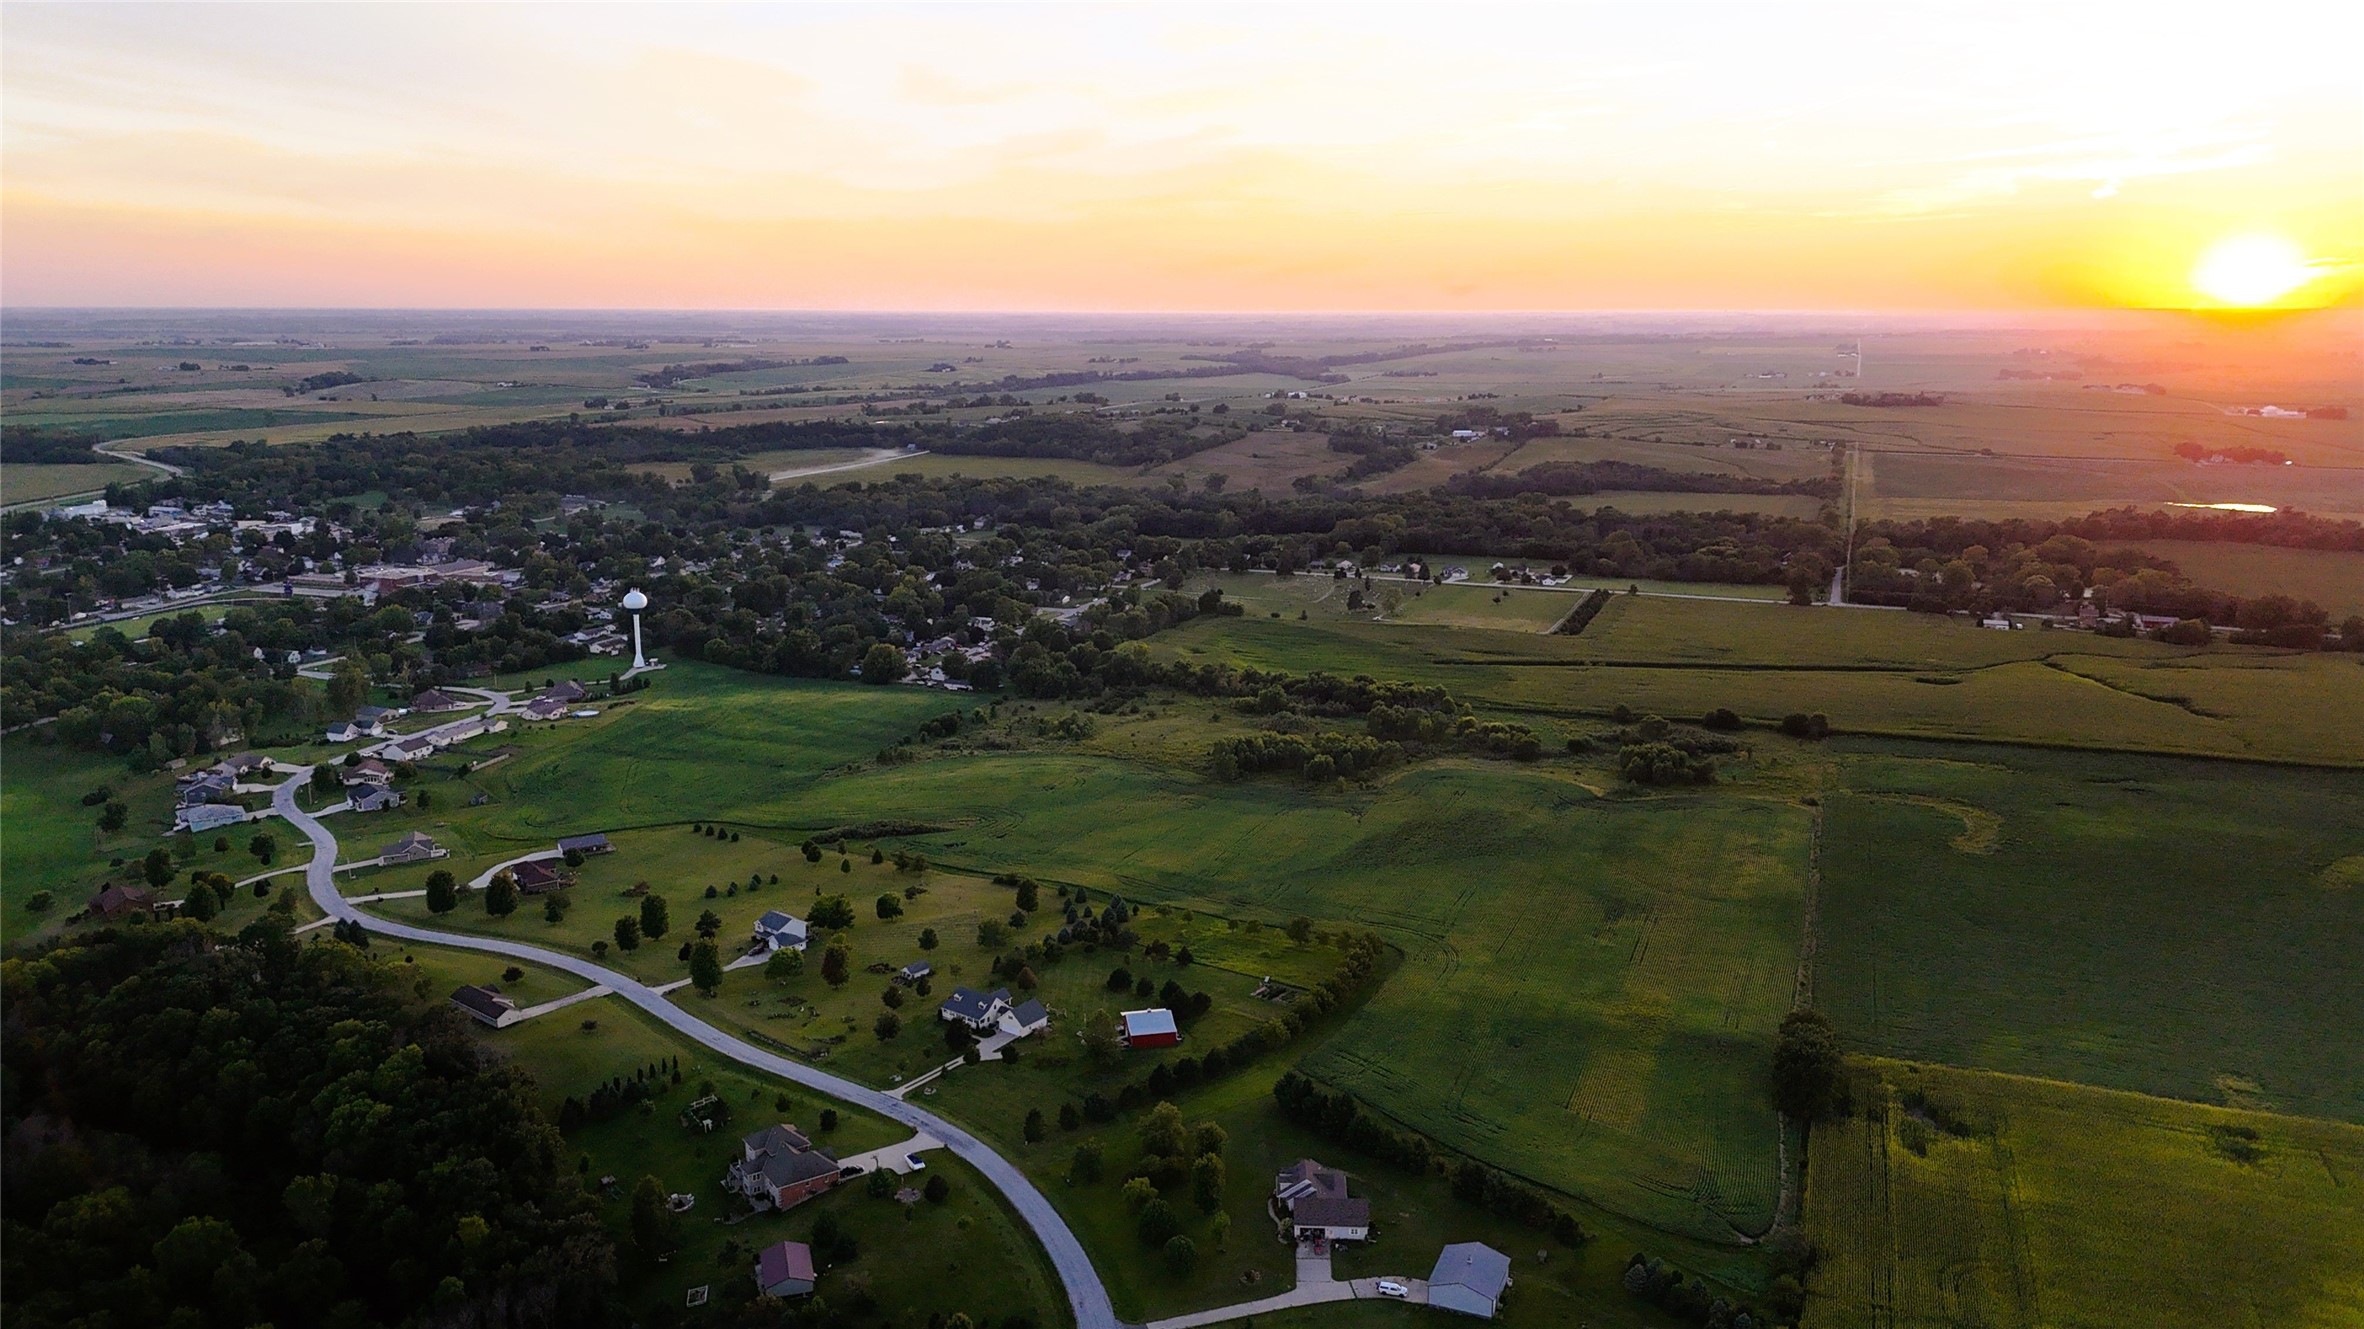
(2057, 1204)
(2172, 927)
(1523, 609)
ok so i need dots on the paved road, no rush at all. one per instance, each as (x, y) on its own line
(1085, 1293)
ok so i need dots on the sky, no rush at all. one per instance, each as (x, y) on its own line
(1181, 157)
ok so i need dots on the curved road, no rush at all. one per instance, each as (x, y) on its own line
(1085, 1293)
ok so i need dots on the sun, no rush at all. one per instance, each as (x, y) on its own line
(2246, 271)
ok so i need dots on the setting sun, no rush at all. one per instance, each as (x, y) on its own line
(2251, 270)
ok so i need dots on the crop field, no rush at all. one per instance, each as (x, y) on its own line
(2163, 926)
(2056, 1204)
(37, 482)
(2331, 578)
(1862, 673)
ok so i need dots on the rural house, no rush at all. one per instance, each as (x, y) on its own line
(980, 1011)
(585, 844)
(369, 771)
(1153, 1028)
(778, 1166)
(536, 877)
(486, 1004)
(1026, 1017)
(376, 798)
(1315, 1199)
(414, 847)
(784, 1269)
(1470, 1277)
(777, 931)
(117, 901)
(563, 692)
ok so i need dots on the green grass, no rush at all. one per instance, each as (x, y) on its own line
(2332, 578)
(51, 842)
(2163, 926)
(2071, 1206)
(1521, 610)
(969, 1254)
(35, 482)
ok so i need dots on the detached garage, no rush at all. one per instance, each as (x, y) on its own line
(1470, 1277)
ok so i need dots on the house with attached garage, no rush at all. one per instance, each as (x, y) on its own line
(1314, 1200)
(1027, 1017)
(980, 1011)
(375, 798)
(537, 877)
(415, 847)
(777, 931)
(367, 772)
(585, 844)
(779, 1168)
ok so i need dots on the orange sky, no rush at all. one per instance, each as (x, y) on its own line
(1631, 157)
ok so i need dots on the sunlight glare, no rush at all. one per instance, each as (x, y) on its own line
(2251, 270)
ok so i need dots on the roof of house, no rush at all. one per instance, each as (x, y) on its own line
(773, 922)
(435, 699)
(566, 691)
(372, 799)
(411, 840)
(485, 1001)
(1030, 1012)
(777, 1138)
(918, 969)
(1473, 1265)
(1306, 1177)
(1157, 1020)
(534, 874)
(371, 771)
(782, 1262)
(115, 899)
(365, 714)
(972, 1005)
(1331, 1211)
(587, 843)
(243, 762)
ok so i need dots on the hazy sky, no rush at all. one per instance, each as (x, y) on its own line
(1636, 156)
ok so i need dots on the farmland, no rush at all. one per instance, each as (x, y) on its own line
(1950, 1197)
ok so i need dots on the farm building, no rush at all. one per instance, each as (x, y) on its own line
(485, 1004)
(784, 1269)
(980, 1011)
(778, 931)
(1470, 1277)
(779, 1167)
(913, 972)
(1153, 1028)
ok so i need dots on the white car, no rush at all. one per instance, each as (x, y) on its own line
(1388, 1287)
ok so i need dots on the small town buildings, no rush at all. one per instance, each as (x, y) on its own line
(779, 931)
(118, 901)
(777, 1166)
(1153, 1028)
(1470, 1277)
(375, 798)
(486, 1004)
(538, 877)
(585, 844)
(201, 817)
(980, 1011)
(913, 972)
(784, 1269)
(436, 699)
(415, 847)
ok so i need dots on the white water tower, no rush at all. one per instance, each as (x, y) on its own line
(634, 602)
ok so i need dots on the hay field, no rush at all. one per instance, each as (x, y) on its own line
(41, 482)
(2150, 924)
(2058, 1204)
(2331, 578)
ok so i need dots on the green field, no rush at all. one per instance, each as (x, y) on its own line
(2055, 1204)
(2163, 926)
(2332, 578)
(36, 482)
(1520, 610)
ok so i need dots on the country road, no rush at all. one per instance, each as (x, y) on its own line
(1085, 1292)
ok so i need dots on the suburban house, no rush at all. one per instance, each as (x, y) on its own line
(563, 692)
(1315, 1199)
(245, 764)
(204, 787)
(980, 1011)
(486, 1004)
(370, 771)
(1030, 1016)
(784, 1269)
(376, 798)
(545, 708)
(585, 844)
(116, 901)
(207, 816)
(1153, 1028)
(913, 972)
(537, 877)
(778, 931)
(1470, 1277)
(375, 717)
(415, 847)
(436, 699)
(778, 1166)
(347, 732)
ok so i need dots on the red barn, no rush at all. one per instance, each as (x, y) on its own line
(1151, 1029)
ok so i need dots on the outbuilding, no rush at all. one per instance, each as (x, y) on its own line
(1152, 1028)
(487, 1004)
(784, 1269)
(1470, 1277)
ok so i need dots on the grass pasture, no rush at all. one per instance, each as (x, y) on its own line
(2162, 926)
(1523, 609)
(2062, 1205)
(40, 482)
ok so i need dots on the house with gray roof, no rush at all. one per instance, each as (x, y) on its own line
(778, 1167)
(980, 1011)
